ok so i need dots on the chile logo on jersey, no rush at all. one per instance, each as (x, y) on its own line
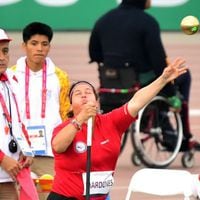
(80, 147)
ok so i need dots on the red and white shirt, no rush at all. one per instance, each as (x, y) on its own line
(71, 165)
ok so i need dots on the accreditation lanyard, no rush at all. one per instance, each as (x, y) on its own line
(22, 140)
(5, 109)
(44, 91)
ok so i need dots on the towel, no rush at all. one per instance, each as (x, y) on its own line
(27, 188)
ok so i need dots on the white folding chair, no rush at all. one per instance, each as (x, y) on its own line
(164, 182)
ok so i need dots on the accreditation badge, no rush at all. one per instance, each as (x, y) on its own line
(23, 144)
(37, 137)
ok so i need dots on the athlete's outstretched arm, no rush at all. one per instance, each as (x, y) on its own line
(144, 95)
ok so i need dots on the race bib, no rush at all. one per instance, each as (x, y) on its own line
(100, 182)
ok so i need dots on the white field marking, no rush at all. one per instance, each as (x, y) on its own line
(194, 112)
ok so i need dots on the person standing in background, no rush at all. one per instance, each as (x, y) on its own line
(135, 47)
(15, 152)
(43, 94)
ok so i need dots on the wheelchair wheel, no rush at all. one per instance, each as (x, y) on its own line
(158, 134)
(188, 159)
(135, 159)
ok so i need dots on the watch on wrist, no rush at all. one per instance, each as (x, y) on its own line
(76, 124)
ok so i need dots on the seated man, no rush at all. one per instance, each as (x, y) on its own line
(135, 46)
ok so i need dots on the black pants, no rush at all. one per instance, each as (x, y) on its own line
(55, 196)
